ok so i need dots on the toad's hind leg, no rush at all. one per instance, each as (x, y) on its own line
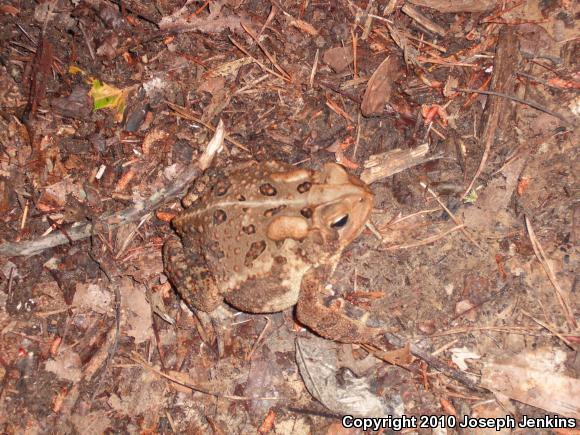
(188, 272)
(327, 322)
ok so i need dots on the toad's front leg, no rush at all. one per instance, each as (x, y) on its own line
(327, 322)
(188, 272)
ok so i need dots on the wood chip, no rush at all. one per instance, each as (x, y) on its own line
(423, 20)
(456, 5)
(384, 165)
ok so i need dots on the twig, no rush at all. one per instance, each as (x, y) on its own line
(184, 113)
(426, 241)
(445, 62)
(249, 86)
(422, 41)
(368, 23)
(378, 17)
(536, 79)
(371, 227)
(523, 330)
(131, 236)
(451, 215)
(264, 67)
(259, 340)
(380, 166)
(137, 9)
(271, 16)
(561, 296)
(24, 216)
(266, 52)
(314, 69)
(113, 220)
(333, 105)
(26, 34)
(199, 10)
(518, 100)
(87, 41)
(139, 360)
(550, 328)
(110, 220)
(359, 127)
(399, 219)
(437, 364)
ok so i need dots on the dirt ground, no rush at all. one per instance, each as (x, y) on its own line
(461, 116)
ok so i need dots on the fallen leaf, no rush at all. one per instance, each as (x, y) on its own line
(318, 365)
(138, 322)
(66, 365)
(92, 296)
(536, 378)
(94, 423)
(338, 58)
(560, 23)
(380, 86)
(108, 97)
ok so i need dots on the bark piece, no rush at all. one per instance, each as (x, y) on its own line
(506, 62)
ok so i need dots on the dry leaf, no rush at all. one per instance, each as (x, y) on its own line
(338, 58)
(380, 86)
(66, 365)
(94, 423)
(318, 364)
(560, 23)
(93, 297)
(534, 378)
(137, 312)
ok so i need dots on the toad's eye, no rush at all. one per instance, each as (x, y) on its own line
(340, 222)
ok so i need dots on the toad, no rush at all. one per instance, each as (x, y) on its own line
(265, 237)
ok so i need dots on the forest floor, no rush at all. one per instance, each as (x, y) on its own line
(462, 117)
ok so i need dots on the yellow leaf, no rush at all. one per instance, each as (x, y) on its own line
(107, 96)
(73, 69)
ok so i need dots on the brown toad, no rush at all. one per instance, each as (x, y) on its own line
(264, 237)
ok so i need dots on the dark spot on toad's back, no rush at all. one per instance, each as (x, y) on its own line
(304, 187)
(219, 216)
(254, 252)
(267, 189)
(221, 188)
